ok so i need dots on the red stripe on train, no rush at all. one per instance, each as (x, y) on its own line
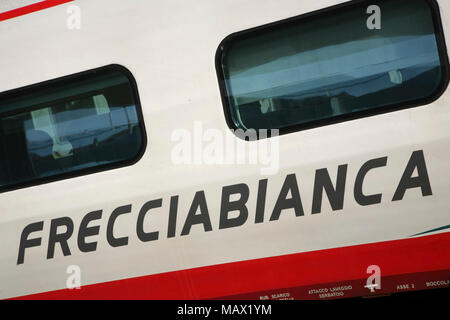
(395, 258)
(31, 8)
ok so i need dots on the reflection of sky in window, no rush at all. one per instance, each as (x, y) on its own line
(81, 131)
(331, 70)
(78, 123)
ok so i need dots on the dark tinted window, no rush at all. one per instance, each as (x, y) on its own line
(331, 66)
(72, 125)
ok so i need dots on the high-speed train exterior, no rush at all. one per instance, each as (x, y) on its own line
(359, 203)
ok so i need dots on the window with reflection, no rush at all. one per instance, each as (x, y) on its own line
(68, 126)
(329, 66)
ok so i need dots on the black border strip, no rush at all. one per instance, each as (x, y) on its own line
(323, 13)
(68, 79)
(432, 230)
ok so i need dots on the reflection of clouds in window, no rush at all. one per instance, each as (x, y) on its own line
(278, 78)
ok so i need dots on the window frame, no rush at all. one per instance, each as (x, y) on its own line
(62, 81)
(228, 41)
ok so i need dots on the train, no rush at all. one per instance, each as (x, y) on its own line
(243, 150)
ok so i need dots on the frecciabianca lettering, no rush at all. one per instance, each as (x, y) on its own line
(288, 198)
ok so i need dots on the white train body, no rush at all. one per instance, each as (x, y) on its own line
(170, 48)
